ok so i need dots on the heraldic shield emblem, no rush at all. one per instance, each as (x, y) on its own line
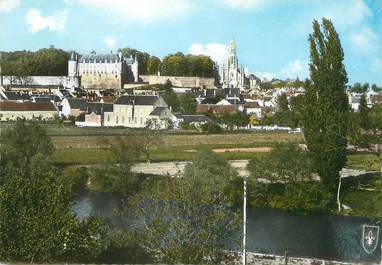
(370, 238)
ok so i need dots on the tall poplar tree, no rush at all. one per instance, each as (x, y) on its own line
(326, 118)
(364, 113)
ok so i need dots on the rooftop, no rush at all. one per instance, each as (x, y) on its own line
(137, 100)
(26, 106)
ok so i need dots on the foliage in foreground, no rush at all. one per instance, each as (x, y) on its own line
(189, 219)
(36, 223)
(283, 179)
(326, 119)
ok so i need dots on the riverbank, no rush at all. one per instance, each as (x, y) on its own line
(263, 259)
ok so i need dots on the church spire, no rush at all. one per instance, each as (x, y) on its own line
(232, 57)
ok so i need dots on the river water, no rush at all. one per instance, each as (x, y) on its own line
(270, 231)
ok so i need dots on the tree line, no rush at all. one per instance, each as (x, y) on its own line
(49, 61)
(54, 62)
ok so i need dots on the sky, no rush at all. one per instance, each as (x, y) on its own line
(271, 35)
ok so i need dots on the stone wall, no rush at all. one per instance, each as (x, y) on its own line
(180, 81)
(101, 81)
(28, 115)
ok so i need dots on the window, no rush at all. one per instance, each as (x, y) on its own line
(141, 120)
(129, 120)
(116, 119)
(123, 119)
(108, 117)
(135, 120)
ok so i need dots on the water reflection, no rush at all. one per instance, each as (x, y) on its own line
(269, 230)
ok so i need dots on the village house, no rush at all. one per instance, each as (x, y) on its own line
(13, 110)
(216, 109)
(94, 114)
(72, 107)
(253, 108)
(135, 110)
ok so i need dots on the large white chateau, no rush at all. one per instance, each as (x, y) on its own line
(103, 71)
(232, 75)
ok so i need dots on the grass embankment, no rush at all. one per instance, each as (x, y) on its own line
(366, 201)
(369, 162)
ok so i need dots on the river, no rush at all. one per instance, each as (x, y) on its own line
(270, 231)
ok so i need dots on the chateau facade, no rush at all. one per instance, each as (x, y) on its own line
(103, 71)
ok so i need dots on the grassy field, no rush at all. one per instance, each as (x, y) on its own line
(248, 139)
(369, 162)
(365, 202)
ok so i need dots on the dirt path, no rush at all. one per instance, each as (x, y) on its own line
(238, 150)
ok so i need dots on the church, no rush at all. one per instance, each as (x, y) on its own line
(232, 75)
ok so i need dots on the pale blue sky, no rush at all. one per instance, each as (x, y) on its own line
(271, 35)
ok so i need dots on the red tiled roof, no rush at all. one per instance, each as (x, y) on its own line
(26, 106)
(216, 109)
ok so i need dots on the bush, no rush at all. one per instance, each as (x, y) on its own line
(211, 128)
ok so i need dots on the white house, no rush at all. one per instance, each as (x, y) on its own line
(94, 114)
(13, 110)
(253, 108)
(72, 107)
(133, 110)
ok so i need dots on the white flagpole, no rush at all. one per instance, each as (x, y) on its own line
(245, 222)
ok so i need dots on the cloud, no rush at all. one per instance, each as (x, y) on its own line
(364, 40)
(376, 66)
(8, 5)
(144, 11)
(110, 42)
(295, 68)
(246, 4)
(217, 51)
(266, 76)
(346, 13)
(36, 22)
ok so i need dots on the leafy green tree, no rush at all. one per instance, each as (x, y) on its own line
(36, 223)
(357, 88)
(326, 117)
(119, 179)
(365, 87)
(364, 113)
(187, 104)
(153, 65)
(283, 179)
(375, 116)
(171, 98)
(24, 141)
(354, 129)
(188, 220)
(142, 57)
(20, 64)
(213, 100)
(282, 103)
(298, 109)
(179, 64)
(283, 116)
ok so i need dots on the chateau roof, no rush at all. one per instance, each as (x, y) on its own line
(99, 108)
(100, 58)
(137, 100)
(26, 106)
(196, 118)
(77, 103)
(16, 96)
(158, 111)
